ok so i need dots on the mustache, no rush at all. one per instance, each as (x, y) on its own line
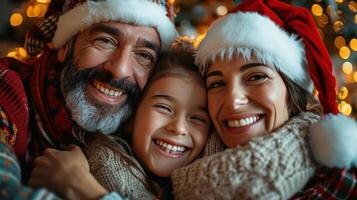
(105, 77)
(74, 78)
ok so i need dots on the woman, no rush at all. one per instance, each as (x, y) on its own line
(260, 98)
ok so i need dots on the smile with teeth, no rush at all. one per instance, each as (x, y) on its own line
(170, 148)
(242, 122)
(107, 91)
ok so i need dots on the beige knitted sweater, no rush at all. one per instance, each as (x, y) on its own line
(275, 166)
(113, 173)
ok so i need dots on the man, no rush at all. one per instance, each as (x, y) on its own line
(89, 81)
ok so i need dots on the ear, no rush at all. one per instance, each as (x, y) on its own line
(62, 53)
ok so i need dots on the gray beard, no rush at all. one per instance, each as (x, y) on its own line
(91, 115)
(92, 118)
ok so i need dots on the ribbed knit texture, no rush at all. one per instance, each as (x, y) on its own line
(14, 102)
(275, 166)
(113, 173)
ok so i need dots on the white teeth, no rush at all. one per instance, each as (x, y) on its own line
(107, 91)
(242, 122)
(170, 148)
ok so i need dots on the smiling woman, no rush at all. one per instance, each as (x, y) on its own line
(260, 100)
(246, 99)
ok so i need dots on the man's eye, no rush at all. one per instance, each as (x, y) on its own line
(145, 59)
(257, 77)
(215, 84)
(105, 42)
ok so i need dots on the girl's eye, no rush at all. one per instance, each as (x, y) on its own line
(163, 108)
(198, 119)
(257, 77)
(215, 84)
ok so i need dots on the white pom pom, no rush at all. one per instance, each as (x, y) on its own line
(333, 141)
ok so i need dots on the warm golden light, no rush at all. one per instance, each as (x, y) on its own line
(16, 19)
(316, 9)
(221, 10)
(338, 26)
(345, 52)
(353, 44)
(355, 76)
(43, 1)
(199, 39)
(29, 11)
(346, 109)
(22, 52)
(36, 11)
(343, 93)
(339, 1)
(11, 54)
(340, 42)
(347, 67)
(352, 5)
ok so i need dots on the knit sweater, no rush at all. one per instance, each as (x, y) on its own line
(115, 174)
(274, 166)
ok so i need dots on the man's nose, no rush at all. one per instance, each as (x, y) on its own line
(119, 64)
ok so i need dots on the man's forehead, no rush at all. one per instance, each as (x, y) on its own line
(124, 30)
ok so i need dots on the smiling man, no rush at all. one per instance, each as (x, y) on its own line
(101, 55)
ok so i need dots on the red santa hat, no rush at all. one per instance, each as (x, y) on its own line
(286, 37)
(66, 18)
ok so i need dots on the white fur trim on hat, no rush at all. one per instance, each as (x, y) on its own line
(333, 141)
(247, 33)
(139, 12)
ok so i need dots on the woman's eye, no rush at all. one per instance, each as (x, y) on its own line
(163, 108)
(257, 77)
(215, 84)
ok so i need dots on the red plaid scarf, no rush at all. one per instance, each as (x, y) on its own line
(54, 127)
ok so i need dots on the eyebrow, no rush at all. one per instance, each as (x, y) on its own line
(162, 96)
(242, 68)
(106, 29)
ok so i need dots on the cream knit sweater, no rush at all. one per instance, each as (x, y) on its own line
(275, 166)
(113, 173)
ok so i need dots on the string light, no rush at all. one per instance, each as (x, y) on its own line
(347, 67)
(16, 19)
(345, 52)
(221, 10)
(316, 9)
(340, 42)
(353, 44)
(337, 26)
(343, 93)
